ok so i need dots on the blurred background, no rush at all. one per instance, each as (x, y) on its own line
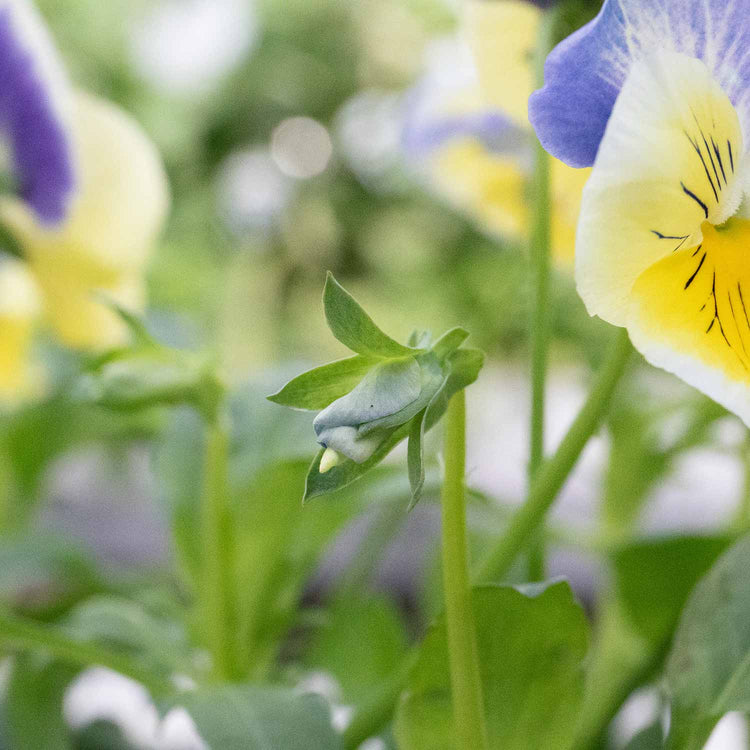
(281, 123)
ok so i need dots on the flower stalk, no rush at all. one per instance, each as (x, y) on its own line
(466, 685)
(217, 587)
(540, 242)
(529, 518)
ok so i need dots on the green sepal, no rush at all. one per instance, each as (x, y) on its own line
(348, 471)
(463, 367)
(449, 342)
(320, 387)
(354, 328)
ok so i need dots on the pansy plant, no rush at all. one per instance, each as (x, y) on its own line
(656, 96)
(370, 402)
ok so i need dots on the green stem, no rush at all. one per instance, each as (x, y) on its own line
(524, 523)
(466, 685)
(540, 275)
(27, 635)
(529, 518)
(217, 590)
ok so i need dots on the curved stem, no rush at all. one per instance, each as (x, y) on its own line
(217, 587)
(466, 684)
(540, 275)
(528, 519)
(27, 635)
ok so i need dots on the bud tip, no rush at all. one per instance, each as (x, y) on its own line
(328, 460)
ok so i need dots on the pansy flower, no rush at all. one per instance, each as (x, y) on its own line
(656, 95)
(86, 194)
(104, 245)
(20, 305)
(467, 127)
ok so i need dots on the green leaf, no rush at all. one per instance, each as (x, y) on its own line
(354, 328)
(124, 626)
(57, 573)
(246, 717)
(320, 387)
(708, 669)
(34, 704)
(650, 738)
(141, 335)
(532, 643)
(654, 578)
(361, 643)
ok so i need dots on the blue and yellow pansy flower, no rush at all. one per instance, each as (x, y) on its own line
(656, 96)
(467, 126)
(88, 196)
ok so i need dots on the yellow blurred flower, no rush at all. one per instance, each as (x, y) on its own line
(104, 245)
(20, 305)
(472, 125)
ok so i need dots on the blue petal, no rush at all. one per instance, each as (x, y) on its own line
(584, 74)
(493, 129)
(30, 117)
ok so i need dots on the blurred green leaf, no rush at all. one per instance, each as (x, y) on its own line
(654, 578)
(101, 735)
(245, 717)
(361, 643)
(42, 574)
(155, 644)
(532, 642)
(354, 328)
(708, 670)
(650, 738)
(34, 704)
(320, 387)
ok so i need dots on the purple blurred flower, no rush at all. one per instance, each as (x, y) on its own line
(32, 105)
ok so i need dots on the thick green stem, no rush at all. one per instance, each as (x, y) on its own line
(218, 599)
(466, 684)
(27, 635)
(529, 518)
(540, 277)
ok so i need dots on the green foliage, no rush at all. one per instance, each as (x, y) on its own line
(354, 328)
(532, 642)
(394, 392)
(707, 670)
(317, 388)
(655, 577)
(147, 374)
(361, 643)
(33, 706)
(244, 717)
(650, 738)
